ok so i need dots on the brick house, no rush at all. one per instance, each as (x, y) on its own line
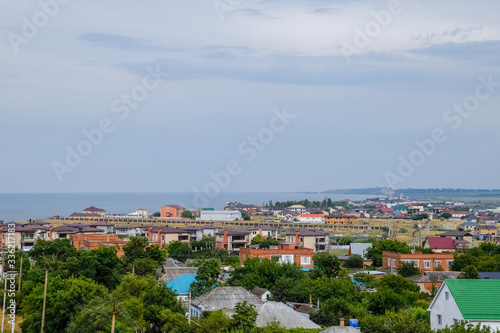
(171, 211)
(232, 240)
(340, 219)
(425, 262)
(283, 253)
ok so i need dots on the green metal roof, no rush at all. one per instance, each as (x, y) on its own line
(476, 299)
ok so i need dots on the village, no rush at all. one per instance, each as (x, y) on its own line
(367, 241)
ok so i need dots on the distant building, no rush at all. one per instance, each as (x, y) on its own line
(432, 280)
(312, 218)
(165, 235)
(95, 210)
(232, 240)
(220, 215)
(340, 219)
(297, 209)
(197, 233)
(171, 211)
(440, 244)
(310, 239)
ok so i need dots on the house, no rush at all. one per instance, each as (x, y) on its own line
(340, 219)
(263, 293)
(440, 244)
(197, 233)
(491, 220)
(165, 235)
(297, 209)
(276, 311)
(65, 231)
(223, 298)
(220, 215)
(85, 216)
(424, 261)
(415, 209)
(265, 232)
(181, 285)
(232, 240)
(174, 211)
(311, 218)
(25, 235)
(93, 241)
(283, 253)
(108, 228)
(468, 226)
(128, 230)
(473, 300)
(432, 280)
(95, 210)
(485, 231)
(310, 239)
(457, 235)
(170, 272)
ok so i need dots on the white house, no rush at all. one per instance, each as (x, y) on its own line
(475, 301)
(220, 215)
(311, 218)
(297, 208)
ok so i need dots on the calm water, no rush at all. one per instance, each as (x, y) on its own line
(21, 207)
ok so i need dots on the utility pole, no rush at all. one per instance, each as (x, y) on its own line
(44, 299)
(20, 272)
(113, 318)
(189, 308)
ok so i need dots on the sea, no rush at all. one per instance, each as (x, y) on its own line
(19, 207)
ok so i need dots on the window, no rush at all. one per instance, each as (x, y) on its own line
(287, 259)
(305, 260)
(427, 264)
(446, 295)
(389, 262)
(437, 264)
(440, 320)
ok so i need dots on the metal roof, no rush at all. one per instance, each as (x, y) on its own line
(476, 298)
(182, 284)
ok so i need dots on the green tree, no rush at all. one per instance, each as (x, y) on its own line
(446, 215)
(408, 269)
(214, 322)
(465, 327)
(207, 275)
(368, 280)
(64, 298)
(256, 240)
(244, 318)
(354, 261)
(101, 265)
(179, 250)
(330, 312)
(470, 272)
(135, 249)
(267, 243)
(375, 252)
(325, 264)
(245, 215)
(156, 214)
(187, 214)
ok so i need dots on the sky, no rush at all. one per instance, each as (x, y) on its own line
(240, 95)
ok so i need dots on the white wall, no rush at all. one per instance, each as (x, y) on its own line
(220, 215)
(448, 309)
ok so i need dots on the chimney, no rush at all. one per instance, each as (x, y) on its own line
(149, 233)
(50, 232)
(422, 272)
(297, 237)
(159, 236)
(341, 323)
(226, 235)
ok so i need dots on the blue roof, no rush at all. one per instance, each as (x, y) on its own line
(182, 284)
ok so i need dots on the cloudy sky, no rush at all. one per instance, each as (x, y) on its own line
(161, 95)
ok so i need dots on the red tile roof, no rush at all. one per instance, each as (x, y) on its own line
(441, 243)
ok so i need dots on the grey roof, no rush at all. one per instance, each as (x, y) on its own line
(337, 329)
(489, 275)
(434, 276)
(259, 291)
(172, 273)
(287, 317)
(225, 298)
(468, 223)
(454, 234)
